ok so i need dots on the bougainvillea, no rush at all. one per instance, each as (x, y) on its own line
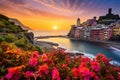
(16, 64)
(14, 73)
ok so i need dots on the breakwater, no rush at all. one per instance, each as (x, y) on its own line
(42, 37)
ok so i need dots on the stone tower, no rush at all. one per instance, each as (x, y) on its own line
(94, 17)
(78, 22)
(108, 18)
(110, 11)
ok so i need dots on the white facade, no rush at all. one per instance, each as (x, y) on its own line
(87, 33)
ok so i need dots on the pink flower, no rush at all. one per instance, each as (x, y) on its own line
(75, 72)
(83, 64)
(110, 77)
(68, 78)
(68, 59)
(64, 66)
(1, 78)
(85, 59)
(44, 69)
(95, 65)
(44, 56)
(101, 57)
(63, 52)
(35, 54)
(33, 62)
(14, 73)
(55, 74)
(93, 75)
(96, 78)
(85, 73)
(28, 74)
(118, 77)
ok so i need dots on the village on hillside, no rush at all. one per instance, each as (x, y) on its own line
(105, 28)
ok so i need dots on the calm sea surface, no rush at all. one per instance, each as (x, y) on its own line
(88, 48)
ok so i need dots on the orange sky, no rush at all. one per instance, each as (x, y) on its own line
(47, 23)
(45, 14)
(44, 22)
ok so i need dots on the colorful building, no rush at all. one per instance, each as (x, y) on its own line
(101, 32)
(116, 31)
(87, 31)
(72, 31)
(97, 34)
(76, 30)
(107, 33)
(92, 22)
(116, 28)
(92, 30)
(79, 33)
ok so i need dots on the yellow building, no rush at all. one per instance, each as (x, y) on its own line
(116, 31)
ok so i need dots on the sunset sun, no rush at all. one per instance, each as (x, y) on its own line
(55, 27)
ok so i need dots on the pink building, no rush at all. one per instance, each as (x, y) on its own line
(96, 34)
(100, 34)
(79, 32)
(92, 22)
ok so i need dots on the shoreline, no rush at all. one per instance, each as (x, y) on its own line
(105, 43)
(45, 45)
(50, 45)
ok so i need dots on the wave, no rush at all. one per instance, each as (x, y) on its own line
(116, 50)
(91, 56)
(115, 62)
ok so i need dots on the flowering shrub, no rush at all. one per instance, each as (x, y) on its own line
(16, 64)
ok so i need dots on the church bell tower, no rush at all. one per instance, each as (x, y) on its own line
(78, 22)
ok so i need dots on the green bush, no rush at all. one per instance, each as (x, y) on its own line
(1, 39)
(38, 49)
(1, 24)
(10, 38)
(20, 43)
(24, 44)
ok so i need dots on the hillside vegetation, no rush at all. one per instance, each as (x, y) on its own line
(11, 33)
(7, 26)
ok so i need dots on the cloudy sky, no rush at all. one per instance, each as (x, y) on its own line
(45, 14)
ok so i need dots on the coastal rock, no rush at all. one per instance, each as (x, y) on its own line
(30, 36)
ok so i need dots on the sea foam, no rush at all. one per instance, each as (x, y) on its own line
(116, 50)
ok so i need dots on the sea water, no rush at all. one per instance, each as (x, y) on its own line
(89, 49)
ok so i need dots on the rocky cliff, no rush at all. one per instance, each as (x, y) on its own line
(30, 36)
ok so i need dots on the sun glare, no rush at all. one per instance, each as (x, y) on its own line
(55, 27)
